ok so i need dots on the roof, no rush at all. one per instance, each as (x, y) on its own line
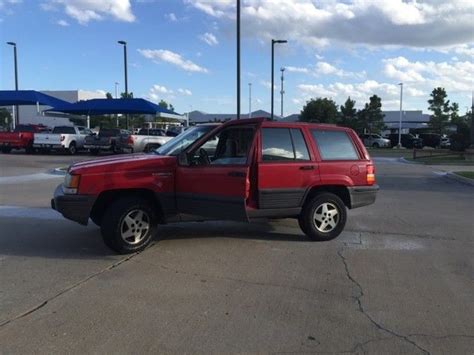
(112, 106)
(28, 97)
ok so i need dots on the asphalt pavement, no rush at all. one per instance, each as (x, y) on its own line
(399, 279)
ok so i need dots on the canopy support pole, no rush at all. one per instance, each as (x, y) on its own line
(88, 121)
(14, 117)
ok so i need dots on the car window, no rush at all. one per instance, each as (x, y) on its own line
(64, 130)
(299, 144)
(230, 146)
(283, 144)
(334, 145)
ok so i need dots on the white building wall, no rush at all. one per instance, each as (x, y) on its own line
(30, 114)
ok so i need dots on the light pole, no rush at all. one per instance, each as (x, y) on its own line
(250, 100)
(116, 97)
(400, 122)
(282, 92)
(126, 74)
(273, 62)
(238, 59)
(17, 112)
(472, 121)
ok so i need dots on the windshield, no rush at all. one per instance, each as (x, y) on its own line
(183, 140)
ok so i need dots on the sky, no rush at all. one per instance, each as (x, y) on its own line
(184, 51)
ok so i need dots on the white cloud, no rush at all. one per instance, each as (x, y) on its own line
(161, 89)
(63, 23)
(84, 11)
(297, 69)
(431, 23)
(268, 84)
(456, 76)
(209, 38)
(185, 92)
(176, 59)
(171, 17)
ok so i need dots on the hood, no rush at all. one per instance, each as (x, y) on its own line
(127, 162)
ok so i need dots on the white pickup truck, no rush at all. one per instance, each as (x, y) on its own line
(146, 140)
(65, 138)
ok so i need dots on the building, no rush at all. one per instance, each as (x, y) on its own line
(202, 117)
(34, 115)
(415, 119)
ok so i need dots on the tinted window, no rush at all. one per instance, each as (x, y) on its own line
(64, 130)
(23, 128)
(109, 132)
(276, 144)
(334, 145)
(301, 150)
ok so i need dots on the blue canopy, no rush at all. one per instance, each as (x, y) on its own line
(28, 97)
(112, 106)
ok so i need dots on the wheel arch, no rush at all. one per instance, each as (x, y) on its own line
(109, 196)
(339, 190)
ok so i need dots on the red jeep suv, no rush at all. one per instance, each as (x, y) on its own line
(241, 170)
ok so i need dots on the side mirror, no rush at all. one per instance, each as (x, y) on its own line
(183, 159)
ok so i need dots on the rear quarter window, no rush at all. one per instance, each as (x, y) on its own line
(64, 130)
(334, 145)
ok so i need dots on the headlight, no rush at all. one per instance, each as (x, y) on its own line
(71, 184)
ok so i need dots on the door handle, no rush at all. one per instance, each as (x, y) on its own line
(237, 174)
(307, 167)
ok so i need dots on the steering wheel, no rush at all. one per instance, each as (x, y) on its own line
(204, 157)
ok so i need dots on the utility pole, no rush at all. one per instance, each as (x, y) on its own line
(126, 73)
(282, 91)
(400, 122)
(238, 59)
(116, 97)
(17, 109)
(472, 121)
(250, 100)
(273, 70)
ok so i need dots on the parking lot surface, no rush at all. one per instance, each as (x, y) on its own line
(399, 279)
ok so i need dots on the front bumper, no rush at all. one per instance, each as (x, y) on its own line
(98, 147)
(363, 195)
(77, 208)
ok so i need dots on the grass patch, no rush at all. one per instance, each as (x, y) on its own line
(442, 160)
(466, 174)
(390, 153)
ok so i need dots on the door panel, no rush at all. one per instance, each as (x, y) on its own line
(217, 192)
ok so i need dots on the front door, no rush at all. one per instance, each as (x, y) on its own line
(215, 182)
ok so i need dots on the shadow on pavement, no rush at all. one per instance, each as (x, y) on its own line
(59, 239)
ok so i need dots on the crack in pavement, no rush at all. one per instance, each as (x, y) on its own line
(421, 236)
(67, 289)
(364, 312)
(442, 336)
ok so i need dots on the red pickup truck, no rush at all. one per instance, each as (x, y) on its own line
(242, 170)
(21, 138)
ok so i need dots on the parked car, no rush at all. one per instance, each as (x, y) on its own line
(259, 169)
(375, 141)
(145, 140)
(63, 138)
(445, 142)
(408, 140)
(106, 140)
(22, 137)
(432, 140)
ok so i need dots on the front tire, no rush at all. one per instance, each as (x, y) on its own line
(6, 150)
(375, 145)
(72, 148)
(128, 225)
(323, 217)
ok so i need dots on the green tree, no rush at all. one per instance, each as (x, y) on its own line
(109, 95)
(5, 118)
(371, 117)
(348, 115)
(439, 105)
(320, 110)
(454, 112)
(125, 96)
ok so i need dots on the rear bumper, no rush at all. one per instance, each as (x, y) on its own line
(49, 146)
(363, 195)
(98, 147)
(77, 208)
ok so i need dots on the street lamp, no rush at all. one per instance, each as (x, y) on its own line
(126, 74)
(17, 115)
(116, 96)
(400, 121)
(238, 59)
(273, 61)
(250, 100)
(282, 91)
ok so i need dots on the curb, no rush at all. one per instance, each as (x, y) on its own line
(459, 178)
(403, 160)
(58, 171)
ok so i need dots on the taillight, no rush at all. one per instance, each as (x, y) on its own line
(62, 138)
(130, 140)
(370, 174)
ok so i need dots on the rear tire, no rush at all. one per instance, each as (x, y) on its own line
(128, 225)
(375, 145)
(323, 217)
(6, 150)
(72, 148)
